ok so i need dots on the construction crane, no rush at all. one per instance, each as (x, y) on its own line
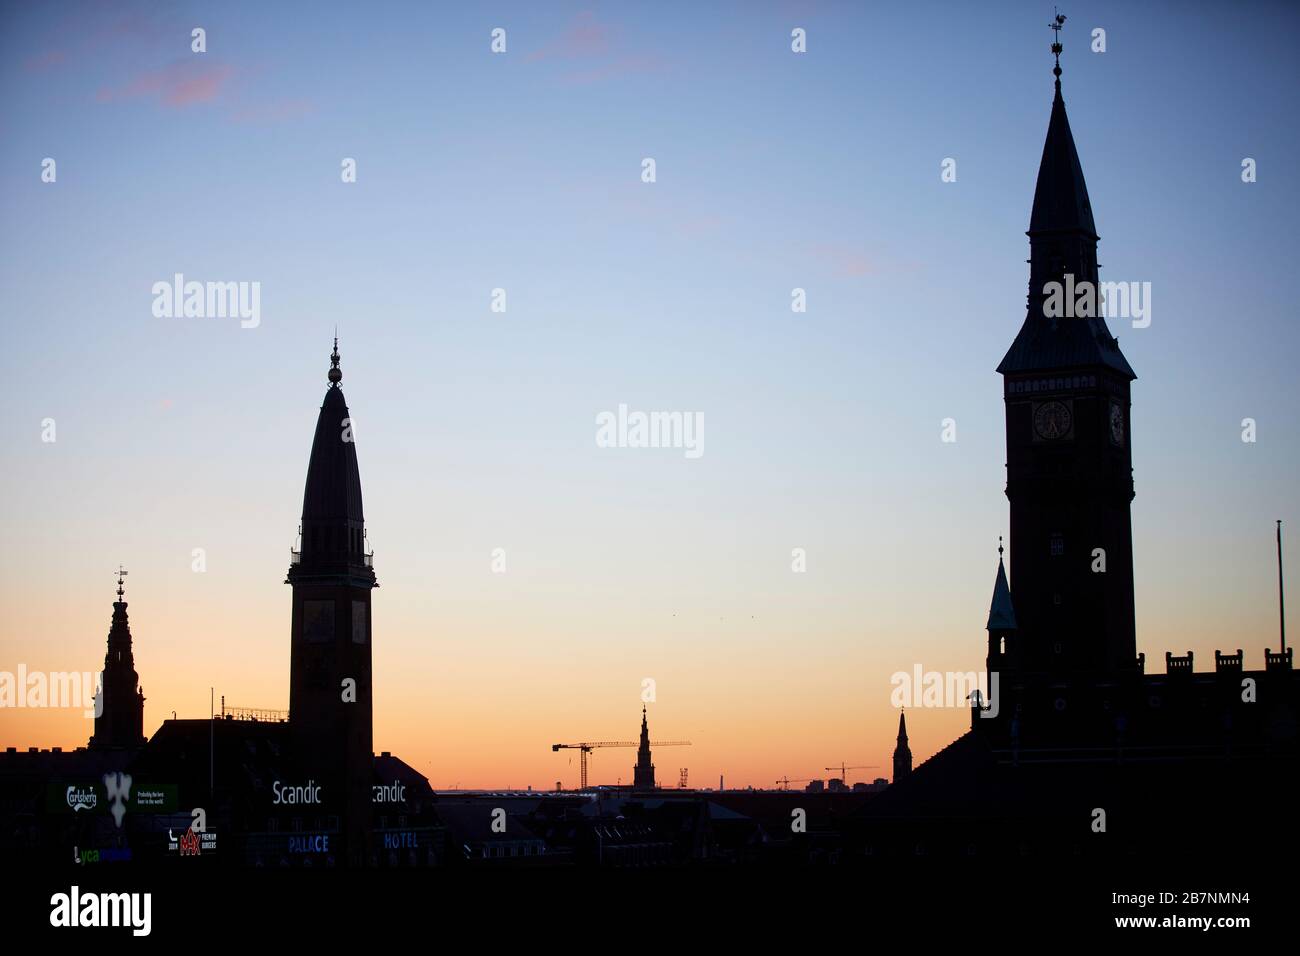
(843, 769)
(587, 747)
(786, 781)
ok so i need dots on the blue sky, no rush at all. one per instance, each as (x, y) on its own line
(522, 171)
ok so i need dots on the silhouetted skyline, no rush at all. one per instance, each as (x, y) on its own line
(824, 428)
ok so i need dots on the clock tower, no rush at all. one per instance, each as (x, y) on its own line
(1069, 461)
(332, 575)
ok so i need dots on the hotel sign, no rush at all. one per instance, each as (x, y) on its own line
(307, 843)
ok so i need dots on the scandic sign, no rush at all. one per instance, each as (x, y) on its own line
(87, 798)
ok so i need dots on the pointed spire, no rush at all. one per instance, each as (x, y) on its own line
(643, 774)
(902, 753)
(1063, 243)
(1061, 197)
(1002, 614)
(333, 489)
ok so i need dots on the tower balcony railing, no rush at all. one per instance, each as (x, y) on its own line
(295, 558)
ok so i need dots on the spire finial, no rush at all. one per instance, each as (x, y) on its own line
(999, 548)
(121, 573)
(336, 373)
(1056, 25)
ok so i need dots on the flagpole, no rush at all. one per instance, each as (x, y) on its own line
(1281, 606)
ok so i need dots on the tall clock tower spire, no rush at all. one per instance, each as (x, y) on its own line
(1066, 385)
(330, 706)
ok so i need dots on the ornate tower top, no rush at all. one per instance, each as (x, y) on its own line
(335, 373)
(1056, 25)
(119, 720)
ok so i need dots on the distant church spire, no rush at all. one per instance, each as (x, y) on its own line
(902, 754)
(643, 774)
(120, 704)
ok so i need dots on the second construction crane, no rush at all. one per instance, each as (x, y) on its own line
(644, 770)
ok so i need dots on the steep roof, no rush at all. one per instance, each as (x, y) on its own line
(1062, 210)
(1002, 615)
(333, 488)
(1061, 196)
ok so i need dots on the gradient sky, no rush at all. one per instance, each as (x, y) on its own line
(476, 430)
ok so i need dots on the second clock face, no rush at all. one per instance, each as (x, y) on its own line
(1052, 421)
(1116, 424)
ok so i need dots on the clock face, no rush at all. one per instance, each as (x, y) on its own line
(1052, 421)
(1116, 423)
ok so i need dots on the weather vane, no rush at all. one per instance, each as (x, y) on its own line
(1056, 25)
(121, 573)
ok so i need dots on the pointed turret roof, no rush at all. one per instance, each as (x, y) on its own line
(333, 479)
(902, 728)
(1002, 615)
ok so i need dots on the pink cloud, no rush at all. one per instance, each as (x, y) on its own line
(845, 262)
(848, 261)
(178, 85)
(585, 37)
